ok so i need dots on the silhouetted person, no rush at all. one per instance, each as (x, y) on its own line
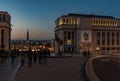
(13, 57)
(22, 58)
(48, 52)
(44, 56)
(18, 53)
(35, 56)
(40, 56)
(29, 58)
(85, 54)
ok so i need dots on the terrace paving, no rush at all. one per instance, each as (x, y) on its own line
(54, 69)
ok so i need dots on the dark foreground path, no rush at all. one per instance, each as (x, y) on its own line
(8, 69)
(56, 69)
(107, 70)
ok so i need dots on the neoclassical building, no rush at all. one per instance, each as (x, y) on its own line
(82, 32)
(5, 31)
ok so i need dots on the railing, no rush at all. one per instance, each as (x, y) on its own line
(90, 70)
(84, 75)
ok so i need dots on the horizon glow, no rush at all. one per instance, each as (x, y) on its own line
(39, 15)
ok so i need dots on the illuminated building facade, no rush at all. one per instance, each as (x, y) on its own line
(82, 32)
(5, 31)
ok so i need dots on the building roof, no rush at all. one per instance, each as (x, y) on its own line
(89, 15)
(4, 12)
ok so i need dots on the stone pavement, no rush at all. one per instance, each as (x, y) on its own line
(56, 69)
(8, 69)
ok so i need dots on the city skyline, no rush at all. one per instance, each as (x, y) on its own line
(39, 15)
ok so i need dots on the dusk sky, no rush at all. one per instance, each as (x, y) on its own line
(39, 15)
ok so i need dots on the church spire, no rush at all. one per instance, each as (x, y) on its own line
(27, 37)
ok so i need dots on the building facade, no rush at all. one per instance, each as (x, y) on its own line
(82, 32)
(5, 31)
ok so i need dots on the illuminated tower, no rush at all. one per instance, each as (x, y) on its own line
(5, 31)
(27, 37)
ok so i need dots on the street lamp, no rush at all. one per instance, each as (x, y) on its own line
(20, 50)
(97, 49)
(33, 50)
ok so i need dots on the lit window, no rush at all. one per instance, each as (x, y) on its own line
(115, 23)
(94, 22)
(60, 21)
(72, 21)
(69, 42)
(106, 23)
(75, 21)
(97, 22)
(100, 22)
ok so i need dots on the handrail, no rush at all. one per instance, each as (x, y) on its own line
(90, 70)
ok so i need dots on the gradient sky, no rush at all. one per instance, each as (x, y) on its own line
(39, 15)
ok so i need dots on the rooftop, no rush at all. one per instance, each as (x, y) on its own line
(89, 15)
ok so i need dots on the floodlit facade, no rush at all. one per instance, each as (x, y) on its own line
(83, 32)
(5, 31)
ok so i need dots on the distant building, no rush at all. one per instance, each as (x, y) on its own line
(24, 45)
(5, 31)
(27, 36)
(27, 44)
(81, 33)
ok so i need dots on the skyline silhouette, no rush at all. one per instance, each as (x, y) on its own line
(39, 15)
